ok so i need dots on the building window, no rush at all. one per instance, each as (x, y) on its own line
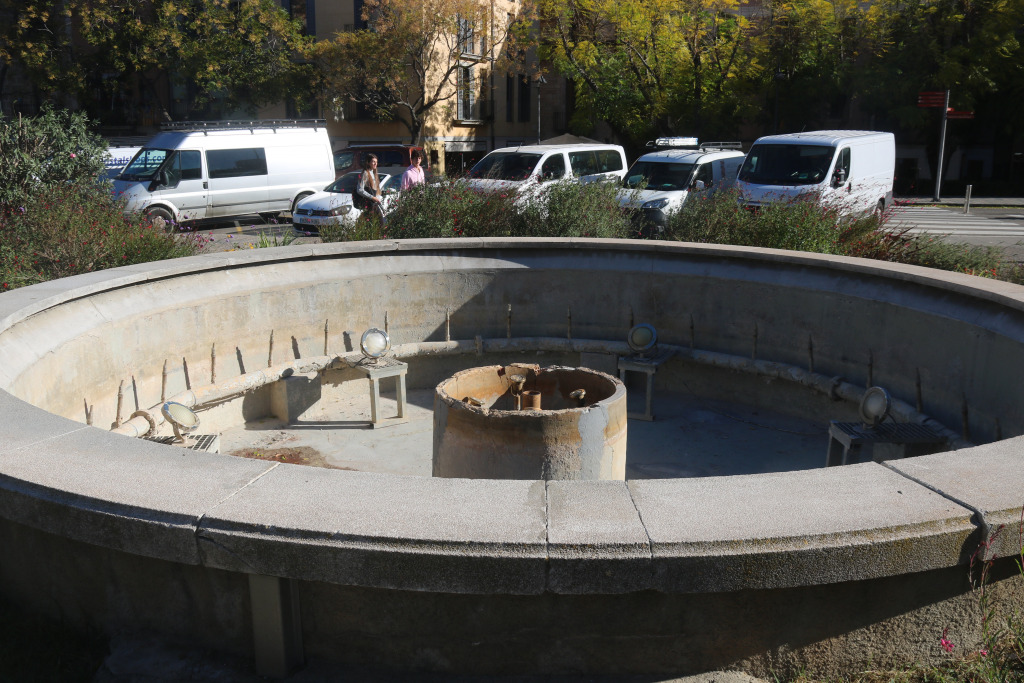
(467, 37)
(524, 98)
(357, 11)
(510, 97)
(468, 109)
(304, 12)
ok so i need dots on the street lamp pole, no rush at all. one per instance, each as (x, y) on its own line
(540, 82)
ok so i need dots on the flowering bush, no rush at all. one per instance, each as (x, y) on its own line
(41, 153)
(77, 228)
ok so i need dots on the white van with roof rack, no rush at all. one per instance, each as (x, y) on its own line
(660, 182)
(200, 170)
(852, 170)
(526, 168)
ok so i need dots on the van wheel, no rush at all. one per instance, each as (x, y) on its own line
(880, 207)
(298, 199)
(160, 219)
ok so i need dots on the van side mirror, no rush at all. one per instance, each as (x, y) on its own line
(839, 177)
(698, 185)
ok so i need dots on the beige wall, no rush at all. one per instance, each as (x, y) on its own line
(443, 132)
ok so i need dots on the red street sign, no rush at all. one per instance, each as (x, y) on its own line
(931, 99)
(959, 114)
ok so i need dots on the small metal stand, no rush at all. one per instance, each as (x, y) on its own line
(847, 438)
(647, 365)
(375, 370)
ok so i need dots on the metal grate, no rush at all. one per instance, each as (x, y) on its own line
(888, 432)
(193, 442)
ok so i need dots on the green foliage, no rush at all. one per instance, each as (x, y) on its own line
(453, 209)
(34, 35)
(77, 228)
(38, 154)
(268, 240)
(718, 218)
(242, 52)
(649, 67)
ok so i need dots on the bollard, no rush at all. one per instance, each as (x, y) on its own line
(967, 200)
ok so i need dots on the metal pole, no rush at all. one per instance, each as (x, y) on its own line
(540, 81)
(942, 150)
(538, 111)
(967, 200)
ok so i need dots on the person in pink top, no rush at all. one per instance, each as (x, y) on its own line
(414, 174)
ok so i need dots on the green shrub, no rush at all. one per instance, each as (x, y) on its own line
(78, 228)
(38, 154)
(454, 209)
(802, 225)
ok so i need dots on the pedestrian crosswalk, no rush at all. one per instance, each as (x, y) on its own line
(944, 221)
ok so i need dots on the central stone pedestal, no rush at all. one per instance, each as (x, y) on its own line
(486, 425)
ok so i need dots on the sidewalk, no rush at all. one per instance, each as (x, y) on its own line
(976, 202)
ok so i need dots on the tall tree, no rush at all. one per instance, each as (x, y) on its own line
(36, 36)
(243, 51)
(968, 46)
(815, 53)
(647, 67)
(410, 61)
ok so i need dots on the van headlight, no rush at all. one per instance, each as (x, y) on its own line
(655, 204)
(341, 210)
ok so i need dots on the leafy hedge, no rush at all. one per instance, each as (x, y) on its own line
(57, 216)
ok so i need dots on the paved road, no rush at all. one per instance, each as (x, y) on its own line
(995, 227)
(983, 226)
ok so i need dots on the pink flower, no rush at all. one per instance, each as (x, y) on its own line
(72, 155)
(946, 644)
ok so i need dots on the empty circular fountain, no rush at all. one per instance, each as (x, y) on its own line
(524, 422)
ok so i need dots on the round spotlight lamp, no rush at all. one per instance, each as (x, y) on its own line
(182, 418)
(642, 338)
(874, 406)
(374, 343)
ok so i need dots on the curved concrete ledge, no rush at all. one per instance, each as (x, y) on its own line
(960, 338)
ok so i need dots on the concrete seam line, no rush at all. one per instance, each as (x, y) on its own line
(199, 520)
(983, 525)
(51, 437)
(640, 516)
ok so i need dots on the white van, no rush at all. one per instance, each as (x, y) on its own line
(524, 169)
(220, 169)
(116, 158)
(659, 183)
(850, 169)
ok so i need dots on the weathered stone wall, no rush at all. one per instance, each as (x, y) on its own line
(812, 569)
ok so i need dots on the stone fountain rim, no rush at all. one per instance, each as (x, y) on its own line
(509, 537)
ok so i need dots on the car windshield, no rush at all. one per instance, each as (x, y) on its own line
(505, 166)
(658, 176)
(787, 164)
(145, 164)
